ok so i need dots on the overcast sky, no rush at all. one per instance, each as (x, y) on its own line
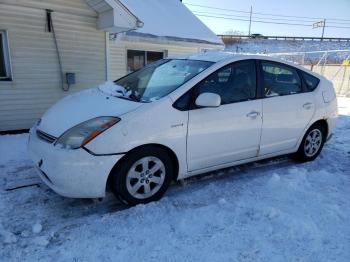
(310, 10)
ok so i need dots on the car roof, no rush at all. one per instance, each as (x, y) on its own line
(208, 55)
(228, 57)
(219, 56)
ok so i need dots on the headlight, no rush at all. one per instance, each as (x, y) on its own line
(83, 133)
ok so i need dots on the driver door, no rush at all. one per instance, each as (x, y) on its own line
(230, 132)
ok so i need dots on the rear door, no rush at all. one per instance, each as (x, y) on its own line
(287, 110)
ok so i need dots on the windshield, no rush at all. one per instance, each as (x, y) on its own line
(160, 78)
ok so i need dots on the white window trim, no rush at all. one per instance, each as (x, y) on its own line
(7, 56)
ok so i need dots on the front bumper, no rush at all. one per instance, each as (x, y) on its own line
(71, 173)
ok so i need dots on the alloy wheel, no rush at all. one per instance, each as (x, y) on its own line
(313, 142)
(145, 177)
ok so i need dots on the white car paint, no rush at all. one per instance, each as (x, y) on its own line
(202, 140)
(285, 118)
(226, 135)
(71, 173)
(82, 106)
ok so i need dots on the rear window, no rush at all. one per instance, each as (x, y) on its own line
(310, 81)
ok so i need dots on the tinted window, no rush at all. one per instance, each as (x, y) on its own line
(234, 83)
(279, 80)
(311, 82)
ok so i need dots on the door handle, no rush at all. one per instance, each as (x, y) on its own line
(307, 106)
(253, 114)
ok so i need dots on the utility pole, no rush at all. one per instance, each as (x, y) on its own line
(318, 24)
(324, 25)
(250, 19)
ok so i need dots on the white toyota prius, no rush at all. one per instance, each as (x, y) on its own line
(180, 117)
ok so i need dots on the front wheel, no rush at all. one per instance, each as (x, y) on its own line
(143, 176)
(312, 143)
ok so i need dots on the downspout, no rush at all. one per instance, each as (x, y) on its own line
(107, 53)
(51, 28)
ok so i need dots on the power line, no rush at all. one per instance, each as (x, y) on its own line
(340, 23)
(258, 17)
(220, 14)
(223, 9)
(265, 14)
(333, 26)
(263, 21)
(256, 21)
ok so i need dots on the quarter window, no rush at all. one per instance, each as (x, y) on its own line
(5, 68)
(279, 80)
(234, 83)
(138, 59)
(311, 82)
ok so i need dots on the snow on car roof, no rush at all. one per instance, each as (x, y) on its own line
(212, 56)
(170, 18)
(217, 56)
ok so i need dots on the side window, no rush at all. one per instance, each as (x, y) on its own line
(311, 82)
(234, 83)
(279, 80)
(5, 67)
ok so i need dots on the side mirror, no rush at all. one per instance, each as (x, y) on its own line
(208, 100)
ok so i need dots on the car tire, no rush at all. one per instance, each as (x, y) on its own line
(312, 143)
(143, 175)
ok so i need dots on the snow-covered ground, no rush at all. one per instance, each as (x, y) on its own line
(275, 210)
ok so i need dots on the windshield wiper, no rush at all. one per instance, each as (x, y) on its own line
(135, 96)
(132, 97)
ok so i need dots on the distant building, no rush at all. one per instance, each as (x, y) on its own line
(96, 40)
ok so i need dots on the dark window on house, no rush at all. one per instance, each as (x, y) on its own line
(5, 70)
(311, 82)
(234, 83)
(138, 59)
(2, 58)
(279, 79)
(154, 56)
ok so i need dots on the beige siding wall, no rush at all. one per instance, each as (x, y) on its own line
(118, 52)
(36, 78)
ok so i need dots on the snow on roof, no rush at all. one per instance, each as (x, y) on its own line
(169, 18)
(113, 16)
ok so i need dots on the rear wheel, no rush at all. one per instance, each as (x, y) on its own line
(143, 176)
(312, 143)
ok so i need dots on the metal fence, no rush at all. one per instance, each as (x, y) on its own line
(333, 64)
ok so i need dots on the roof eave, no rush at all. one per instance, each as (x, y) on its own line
(113, 16)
